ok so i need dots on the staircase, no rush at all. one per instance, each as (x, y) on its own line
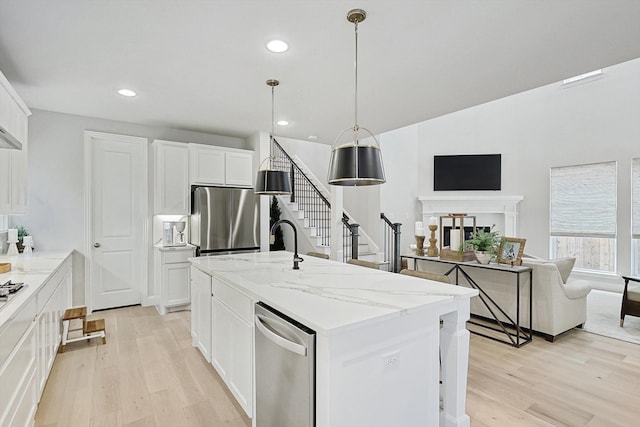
(310, 209)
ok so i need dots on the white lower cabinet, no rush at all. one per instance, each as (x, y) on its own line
(232, 341)
(173, 272)
(230, 349)
(18, 399)
(54, 298)
(28, 346)
(201, 312)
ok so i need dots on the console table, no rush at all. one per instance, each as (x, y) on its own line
(514, 332)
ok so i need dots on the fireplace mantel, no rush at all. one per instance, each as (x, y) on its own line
(502, 205)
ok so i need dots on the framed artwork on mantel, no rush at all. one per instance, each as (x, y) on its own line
(510, 251)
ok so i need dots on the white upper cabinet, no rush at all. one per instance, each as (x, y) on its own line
(13, 163)
(221, 166)
(239, 168)
(171, 178)
(207, 165)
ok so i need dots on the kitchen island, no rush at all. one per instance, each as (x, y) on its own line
(379, 338)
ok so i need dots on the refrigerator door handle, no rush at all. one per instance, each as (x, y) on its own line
(277, 339)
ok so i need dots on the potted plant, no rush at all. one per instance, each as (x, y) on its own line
(21, 233)
(485, 244)
(274, 215)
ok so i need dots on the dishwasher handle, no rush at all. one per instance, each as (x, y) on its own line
(279, 340)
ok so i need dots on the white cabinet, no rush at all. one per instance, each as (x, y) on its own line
(18, 348)
(211, 165)
(173, 274)
(230, 333)
(201, 312)
(53, 298)
(239, 168)
(28, 346)
(207, 165)
(232, 341)
(171, 178)
(13, 163)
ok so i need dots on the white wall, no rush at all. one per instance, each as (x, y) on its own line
(399, 195)
(588, 122)
(55, 186)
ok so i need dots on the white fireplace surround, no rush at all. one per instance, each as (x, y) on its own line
(499, 210)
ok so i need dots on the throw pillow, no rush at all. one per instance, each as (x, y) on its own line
(565, 265)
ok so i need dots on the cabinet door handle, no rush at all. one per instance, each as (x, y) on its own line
(96, 245)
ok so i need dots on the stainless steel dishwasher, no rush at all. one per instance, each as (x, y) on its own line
(285, 370)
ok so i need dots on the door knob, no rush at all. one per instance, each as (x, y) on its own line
(96, 245)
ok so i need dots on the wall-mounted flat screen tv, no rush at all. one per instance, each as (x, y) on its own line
(467, 172)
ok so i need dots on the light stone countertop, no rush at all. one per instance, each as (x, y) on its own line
(31, 269)
(328, 296)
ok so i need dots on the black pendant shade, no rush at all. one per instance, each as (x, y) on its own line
(348, 169)
(269, 181)
(272, 182)
(355, 164)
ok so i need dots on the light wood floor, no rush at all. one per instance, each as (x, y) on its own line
(149, 375)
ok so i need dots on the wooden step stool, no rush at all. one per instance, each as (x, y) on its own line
(90, 328)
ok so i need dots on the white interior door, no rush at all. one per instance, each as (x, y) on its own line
(117, 219)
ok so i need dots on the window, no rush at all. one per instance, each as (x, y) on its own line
(635, 215)
(583, 215)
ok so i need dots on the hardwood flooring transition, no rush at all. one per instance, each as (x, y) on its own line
(148, 374)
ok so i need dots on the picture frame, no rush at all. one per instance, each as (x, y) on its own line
(510, 250)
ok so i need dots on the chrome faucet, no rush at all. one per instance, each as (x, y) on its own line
(296, 258)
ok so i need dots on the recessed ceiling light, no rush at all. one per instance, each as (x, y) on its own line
(277, 46)
(127, 92)
(283, 123)
(312, 137)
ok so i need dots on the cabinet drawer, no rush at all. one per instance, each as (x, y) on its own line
(13, 330)
(237, 302)
(15, 376)
(170, 256)
(49, 287)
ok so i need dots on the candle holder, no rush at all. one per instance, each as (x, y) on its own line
(455, 251)
(420, 245)
(432, 250)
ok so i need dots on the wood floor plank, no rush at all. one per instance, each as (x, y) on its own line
(148, 374)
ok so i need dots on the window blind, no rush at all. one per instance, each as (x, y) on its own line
(635, 198)
(583, 200)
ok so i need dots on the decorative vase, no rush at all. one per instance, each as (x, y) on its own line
(483, 257)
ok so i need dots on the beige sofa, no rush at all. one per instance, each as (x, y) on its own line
(559, 301)
(557, 306)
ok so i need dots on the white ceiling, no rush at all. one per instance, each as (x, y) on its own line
(202, 65)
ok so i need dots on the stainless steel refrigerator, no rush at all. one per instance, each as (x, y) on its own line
(224, 220)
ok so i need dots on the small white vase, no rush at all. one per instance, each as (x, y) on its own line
(483, 257)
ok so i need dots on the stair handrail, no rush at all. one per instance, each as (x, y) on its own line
(353, 230)
(392, 248)
(294, 165)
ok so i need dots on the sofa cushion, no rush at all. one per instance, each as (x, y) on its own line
(575, 289)
(565, 265)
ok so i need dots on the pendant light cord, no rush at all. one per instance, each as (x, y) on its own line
(355, 125)
(273, 103)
